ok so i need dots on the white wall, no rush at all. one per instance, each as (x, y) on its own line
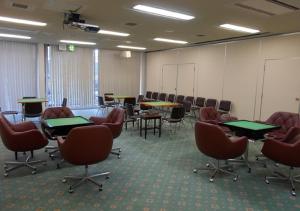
(232, 70)
(118, 75)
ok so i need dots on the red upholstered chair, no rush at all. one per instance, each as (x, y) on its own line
(22, 137)
(114, 121)
(53, 113)
(86, 146)
(286, 120)
(213, 142)
(211, 115)
(287, 153)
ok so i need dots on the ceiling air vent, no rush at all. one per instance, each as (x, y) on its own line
(269, 7)
(19, 5)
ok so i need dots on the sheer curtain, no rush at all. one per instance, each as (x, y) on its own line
(18, 73)
(71, 75)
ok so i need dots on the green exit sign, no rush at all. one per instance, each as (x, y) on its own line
(71, 48)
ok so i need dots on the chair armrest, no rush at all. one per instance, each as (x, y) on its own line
(115, 129)
(31, 139)
(97, 120)
(215, 122)
(24, 126)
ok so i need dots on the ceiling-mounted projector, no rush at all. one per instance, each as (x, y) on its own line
(73, 19)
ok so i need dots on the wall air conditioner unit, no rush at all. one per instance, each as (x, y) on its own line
(126, 54)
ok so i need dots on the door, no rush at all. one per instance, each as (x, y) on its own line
(281, 88)
(186, 79)
(169, 78)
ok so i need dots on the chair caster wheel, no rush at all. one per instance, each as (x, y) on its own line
(267, 181)
(293, 192)
(211, 179)
(46, 150)
(33, 172)
(207, 165)
(195, 170)
(63, 180)
(119, 157)
(249, 170)
(256, 158)
(107, 177)
(71, 190)
(120, 150)
(100, 189)
(235, 178)
(5, 174)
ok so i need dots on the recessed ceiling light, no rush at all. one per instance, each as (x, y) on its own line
(239, 28)
(113, 33)
(22, 21)
(169, 40)
(162, 12)
(15, 36)
(77, 42)
(131, 47)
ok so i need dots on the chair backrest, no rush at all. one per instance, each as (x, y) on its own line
(162, 96)
(130, 100)
(57, 112)
(115, 120)
(64, 102)
(140, 98)
(107, 97)
(177, 112)
(129, 110)
(171, 98)
(225, 105)
(284, 119)
(209, 113)
(211, 103)
(100, 101)
(87, 145)
(148, 94)
(154, 96)
(180, 99)
(200, 101)
(190, 99)
(33, 109)
(6, 133)
(211, 140)
(187, 105)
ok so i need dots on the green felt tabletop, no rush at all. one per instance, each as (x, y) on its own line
(118, 96)
(250, 125)
(32, 100)
(160, 104)
(66, 121)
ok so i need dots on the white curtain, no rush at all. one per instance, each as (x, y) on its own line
(18, 73)
(71, 75)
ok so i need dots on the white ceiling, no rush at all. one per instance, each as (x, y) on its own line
(113, 15)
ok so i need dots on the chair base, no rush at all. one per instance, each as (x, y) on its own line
(18, 164)
(216, 169)
(116, 151)
(53, 152)
(282, 177)
(86, 177)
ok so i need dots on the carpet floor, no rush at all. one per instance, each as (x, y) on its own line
(152, 174)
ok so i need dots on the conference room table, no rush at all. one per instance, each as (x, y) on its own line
(24, 101)
(254, 131)
(62, 126)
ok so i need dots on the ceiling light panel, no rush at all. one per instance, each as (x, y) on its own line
(15, 36)
(131, 47)
(114, 33)
(22, 21)
(239, 28)
(77, 42)
(162, 12)
(170, 41)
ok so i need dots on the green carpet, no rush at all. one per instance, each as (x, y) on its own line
(153, 174)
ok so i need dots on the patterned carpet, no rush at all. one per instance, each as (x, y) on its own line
(152, 174)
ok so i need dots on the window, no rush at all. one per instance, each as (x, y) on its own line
(72, 75)
(18, 73)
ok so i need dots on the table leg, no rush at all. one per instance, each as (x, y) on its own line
(154, 128)
(159, 130)
(141, 126)
(146, 123)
